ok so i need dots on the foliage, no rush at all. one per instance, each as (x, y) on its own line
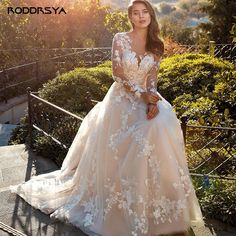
(19, 135)
(46, 147)
(200, 87)
(233, 31)
(106, 64)
(175, 30)
(173, 48)
(217, 201)
(165, 8)
(117, 21)
(74, 86)
(82, 26)
(220, 13)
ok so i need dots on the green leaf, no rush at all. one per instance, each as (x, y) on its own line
(202, 120)
(226, 112)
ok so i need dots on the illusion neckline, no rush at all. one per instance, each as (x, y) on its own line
(139, 58)
(137, 55)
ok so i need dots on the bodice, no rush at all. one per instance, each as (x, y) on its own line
(135, 70)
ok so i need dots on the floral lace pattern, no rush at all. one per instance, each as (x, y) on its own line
(128, 70)
(123, 175)
(160, 208)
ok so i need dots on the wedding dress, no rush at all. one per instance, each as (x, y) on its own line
(123, 174)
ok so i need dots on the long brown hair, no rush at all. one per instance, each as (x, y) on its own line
(154, 43)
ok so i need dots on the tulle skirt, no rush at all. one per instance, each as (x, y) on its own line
(123, 174)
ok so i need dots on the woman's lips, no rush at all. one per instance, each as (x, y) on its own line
(142, 21)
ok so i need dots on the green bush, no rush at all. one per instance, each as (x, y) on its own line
(46, 147)
(105, 64)
(217, 201)
(201, 87)
(19, 135)
(70, 90)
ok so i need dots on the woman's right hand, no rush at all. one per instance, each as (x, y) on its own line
(150, 97)
(152, 111)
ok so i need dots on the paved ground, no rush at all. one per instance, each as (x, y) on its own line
(18, 164)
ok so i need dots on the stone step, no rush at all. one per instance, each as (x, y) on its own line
(17, 164)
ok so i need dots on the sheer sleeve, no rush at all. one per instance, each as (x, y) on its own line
(117, 67)
(151, 82)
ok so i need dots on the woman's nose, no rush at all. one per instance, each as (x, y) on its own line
(141, 15)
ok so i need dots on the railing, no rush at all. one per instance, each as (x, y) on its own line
(53, 121)
(225, 51)
(211, 151)
(12, 79)
(15, 80)
(28, 55)
(9, 230)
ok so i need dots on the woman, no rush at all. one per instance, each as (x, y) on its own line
(125, 173)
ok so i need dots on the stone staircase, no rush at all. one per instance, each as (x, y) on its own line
(17, 164)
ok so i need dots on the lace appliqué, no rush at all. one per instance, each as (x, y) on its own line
(128, 200)
(145, 147)
(84, 195)
(159, 207)
(119, 46)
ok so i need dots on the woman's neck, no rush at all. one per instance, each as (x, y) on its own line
(140, 33)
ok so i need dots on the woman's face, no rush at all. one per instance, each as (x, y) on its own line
(140, 15)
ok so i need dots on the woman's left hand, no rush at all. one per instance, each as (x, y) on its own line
(152, 111)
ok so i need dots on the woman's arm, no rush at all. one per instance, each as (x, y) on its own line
(117, 67)
(151, 85)
(151, 82)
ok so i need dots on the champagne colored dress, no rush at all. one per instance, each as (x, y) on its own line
(124, 175)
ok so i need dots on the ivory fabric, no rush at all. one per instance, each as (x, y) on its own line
(124, 175)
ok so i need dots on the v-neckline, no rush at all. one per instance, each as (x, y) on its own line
(137, 57)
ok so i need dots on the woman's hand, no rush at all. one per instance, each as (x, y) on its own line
(150, 97)
(152, 111)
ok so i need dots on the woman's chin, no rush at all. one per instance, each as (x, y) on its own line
(141, 26)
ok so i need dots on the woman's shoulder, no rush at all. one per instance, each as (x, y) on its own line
(120, 34)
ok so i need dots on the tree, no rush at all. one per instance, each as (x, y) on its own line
(176, 30)
(82, 26)
(117, 21)
(233, 31)
(165, 8)
(221, 19)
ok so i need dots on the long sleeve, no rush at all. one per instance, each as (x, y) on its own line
(117, 67)
(151, 82)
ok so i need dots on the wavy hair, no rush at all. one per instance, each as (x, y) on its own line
(154, 43)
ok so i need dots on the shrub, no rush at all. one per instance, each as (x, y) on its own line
(200, 87)
(70, 91)
(218, 200)
(74, 86)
